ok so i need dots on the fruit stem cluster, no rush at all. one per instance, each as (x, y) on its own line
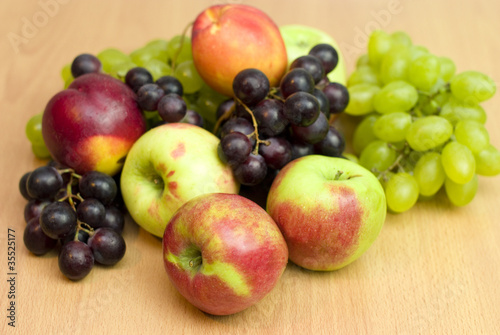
(255, 125)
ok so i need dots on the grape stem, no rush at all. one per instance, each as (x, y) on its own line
(227, 114)
(174, 58)
(273, 94)
(70, 196)
(258, 141)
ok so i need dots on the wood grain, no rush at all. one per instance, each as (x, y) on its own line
(433, 270)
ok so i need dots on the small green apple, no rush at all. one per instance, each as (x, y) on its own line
(299, 39)
(168, 166)
(329, 209)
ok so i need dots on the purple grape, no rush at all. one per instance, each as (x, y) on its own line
(301, 149)
(148, 96)
(34, 208)
(36, 240)
(138, 77)
(332, 145)
(324, 103)
(172, 108)
(91, 211)
(338, 97)
(170, 84)
(224, 107)
(313, 133)
(301, 109)
(58, 219)
(107, 245)
(296, 80)
(252, 171)
(98, 185)
(239, 125)
(312, 65)
(85, 63)
(251, 86)
(44, 183)
(193, 118)
(113, 219)
(22, 186)
(327, 55)
(76, 260)
(277, 154)
(234, 148)
(270, 117)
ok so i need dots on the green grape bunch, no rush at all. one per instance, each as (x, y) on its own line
(422, 125)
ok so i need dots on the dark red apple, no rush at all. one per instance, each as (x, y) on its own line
(92, 124)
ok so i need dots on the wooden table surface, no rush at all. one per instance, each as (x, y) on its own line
(433, 270)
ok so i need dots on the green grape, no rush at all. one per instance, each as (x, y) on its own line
(461, 194)
(428, 132)
(40, 150)
(401, 192)
(455, 110)
(447, 68)
(401, 38)
(377, 156)
(392, 127)
(427, 106)
(363, 60)
(363, 75)
(442, 98)
(472, 86)
(157, 68)
(472, 134)
(488, 161)
(173, 49)
(423, 72)
(207, 103)
(361, 99)
(143, 55)
(363, 134)
(418, 51)
(395, 65)
(351, 157)
(34, 129)
(429, 174)
(159, 46)
(397, 96)
(110, 57)
(379, 44)
(66, 72)
(458, 162)
(186, 73)
(119, 71)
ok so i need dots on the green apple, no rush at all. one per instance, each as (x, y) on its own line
(299, 39)
(223, 253)
(168, 166)
(329, 209)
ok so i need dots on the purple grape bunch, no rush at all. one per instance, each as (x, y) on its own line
(263, 128)
(82, 216)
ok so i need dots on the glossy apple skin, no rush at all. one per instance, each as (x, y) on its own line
(227, 39)
(168, 166)
(92, 124)
(223, 253)
(327, 223)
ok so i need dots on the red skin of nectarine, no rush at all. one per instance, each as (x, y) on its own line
(227, 39)
(92, 124)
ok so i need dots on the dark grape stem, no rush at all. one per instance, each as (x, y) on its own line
(258, 141)
(174, 58)
(273, 94)
(223, 118)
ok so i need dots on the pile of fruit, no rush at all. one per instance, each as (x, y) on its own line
(176, 127)
(423, 126)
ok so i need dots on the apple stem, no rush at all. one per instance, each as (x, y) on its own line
(338, 174)
(258, 141)
(183, 36)
(195, 262)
